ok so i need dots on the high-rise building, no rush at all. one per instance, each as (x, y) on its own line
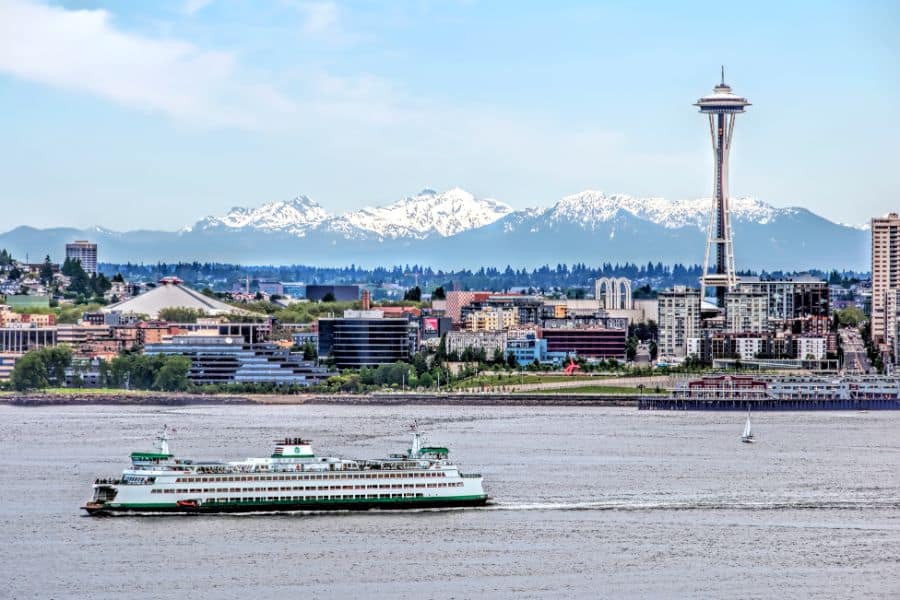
(492, 319)
(679, 320)
(85, 252)
(746, 312)
(885, 272)
(367, 339)
(721, 106)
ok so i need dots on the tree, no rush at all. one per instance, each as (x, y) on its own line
(426, 380)
(46, 271)
(631, 348)
(100, 284)
(30, 373)
(173, 375)
(310, 352)
(329, 297)
(14, 274)
(511, 361)
(413, 295)
(420, 363)
(850, 316)
(56, 360)
(180, 314)
(499, 357)
(439, 293)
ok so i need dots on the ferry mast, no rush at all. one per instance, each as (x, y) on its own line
(722, 106)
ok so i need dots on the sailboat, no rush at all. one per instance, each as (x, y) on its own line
(747, 436)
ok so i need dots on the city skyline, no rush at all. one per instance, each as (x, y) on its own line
(190, 108)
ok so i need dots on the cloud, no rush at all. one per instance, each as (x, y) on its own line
(192, 7)
(82, 51)
(319, 17)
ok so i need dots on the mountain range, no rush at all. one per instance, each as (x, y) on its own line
(455, 229)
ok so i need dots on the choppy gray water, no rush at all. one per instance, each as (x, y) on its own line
(590, 503)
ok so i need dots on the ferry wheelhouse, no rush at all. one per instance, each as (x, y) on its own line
(293, 478)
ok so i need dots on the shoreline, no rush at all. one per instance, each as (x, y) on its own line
(454, 399)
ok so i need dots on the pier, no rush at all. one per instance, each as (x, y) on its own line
(768, 404)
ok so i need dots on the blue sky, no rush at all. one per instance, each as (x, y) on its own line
(154, 114)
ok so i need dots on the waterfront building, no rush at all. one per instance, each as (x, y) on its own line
(217, 359)
(490, 342)
(367, 339)
(722, 106)
(527, 348)
(679, 320)
(590, 342)
(7, 364)
(885, 274)
(84, 252)
(19, 340)
(341, 293)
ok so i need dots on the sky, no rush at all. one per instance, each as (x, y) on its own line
(154, 114)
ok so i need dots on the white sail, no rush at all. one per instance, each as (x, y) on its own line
(747, 431)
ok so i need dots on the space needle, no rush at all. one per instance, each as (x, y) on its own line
(722, 106)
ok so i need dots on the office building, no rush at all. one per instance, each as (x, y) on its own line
(791, 298)
(492, 319)
(270, 288)
(217, 359)
(590, 342)
(366, 339)
(19, 340)
(746, 312)
(679, 320)
(340, 293)
(885, 273)
(488, 342)
(85, 252)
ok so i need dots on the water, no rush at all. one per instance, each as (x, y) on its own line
(591, 502)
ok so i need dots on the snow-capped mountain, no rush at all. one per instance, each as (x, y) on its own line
(591, 208)
(417, 217)
(455, 229)
(295, 216)
(429, 212)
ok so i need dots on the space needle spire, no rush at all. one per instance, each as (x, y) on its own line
(721, 106)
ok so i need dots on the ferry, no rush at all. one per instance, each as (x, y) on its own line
(293, 478)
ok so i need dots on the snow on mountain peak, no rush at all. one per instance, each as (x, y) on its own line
(592, 207)
(296, 216)
(445, 213)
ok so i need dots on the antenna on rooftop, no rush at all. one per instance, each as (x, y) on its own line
(723, 74)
